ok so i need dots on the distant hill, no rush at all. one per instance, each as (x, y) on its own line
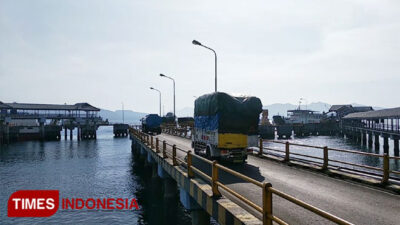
(130, 116)
(133, 117)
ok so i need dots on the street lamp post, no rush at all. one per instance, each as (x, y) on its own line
(215, 54)
(159, 92)
(162, 75)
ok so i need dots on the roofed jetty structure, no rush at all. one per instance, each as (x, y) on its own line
(25, 121)
(363, 126)
(343, 110)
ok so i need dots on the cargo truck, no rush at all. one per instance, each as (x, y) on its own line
(151, 124)
(224, 125)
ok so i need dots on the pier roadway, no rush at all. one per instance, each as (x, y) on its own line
(353, 202)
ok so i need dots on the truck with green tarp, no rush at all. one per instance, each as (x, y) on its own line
(225, 125)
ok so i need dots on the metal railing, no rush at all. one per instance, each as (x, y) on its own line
(267, 190)
(385, 170)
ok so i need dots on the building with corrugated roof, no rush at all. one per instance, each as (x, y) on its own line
(343, 110)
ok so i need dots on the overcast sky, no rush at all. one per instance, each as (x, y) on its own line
(108, 52)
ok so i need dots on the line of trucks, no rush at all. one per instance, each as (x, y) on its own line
(225, 127)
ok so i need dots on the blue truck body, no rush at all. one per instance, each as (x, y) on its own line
(151, 124)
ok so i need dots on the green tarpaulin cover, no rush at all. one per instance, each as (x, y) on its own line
(231, 114)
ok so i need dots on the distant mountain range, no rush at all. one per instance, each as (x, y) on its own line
(130, 116)
(133, 117)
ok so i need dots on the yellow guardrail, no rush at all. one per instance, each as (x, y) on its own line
(325, 159)
(267, 190)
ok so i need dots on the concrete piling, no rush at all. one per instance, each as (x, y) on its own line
(376, 142)
(370, 141)
(7, 134)
(396, 146)
(79, 131)
(364, 138)
(200, 217)
(170, 188)
(386, 144)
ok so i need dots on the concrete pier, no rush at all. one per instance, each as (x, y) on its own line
(384, 123)
(51, 119)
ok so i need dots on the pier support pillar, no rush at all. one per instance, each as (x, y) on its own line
(150, 159)
(396, 145)
(65, 133)
(364, 138)
(161, 172)
(70, 134)
(7, 134)
(79, 133)
(376, 141)
(200, 217)
(198, 214)
(143, 155)
(170, 188)
(154, 171)
(386, 144)
(352, 135)
(133, 145)
(42, 135)
(370, 141)
(41, 128)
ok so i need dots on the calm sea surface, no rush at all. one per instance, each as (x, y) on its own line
(104, 168)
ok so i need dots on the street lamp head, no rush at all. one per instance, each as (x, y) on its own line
(162, 75)
(196, 42)
(151, 88)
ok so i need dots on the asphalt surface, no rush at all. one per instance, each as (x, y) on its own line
(356, 203)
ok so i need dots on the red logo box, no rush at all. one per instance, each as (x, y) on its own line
(33, 203)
